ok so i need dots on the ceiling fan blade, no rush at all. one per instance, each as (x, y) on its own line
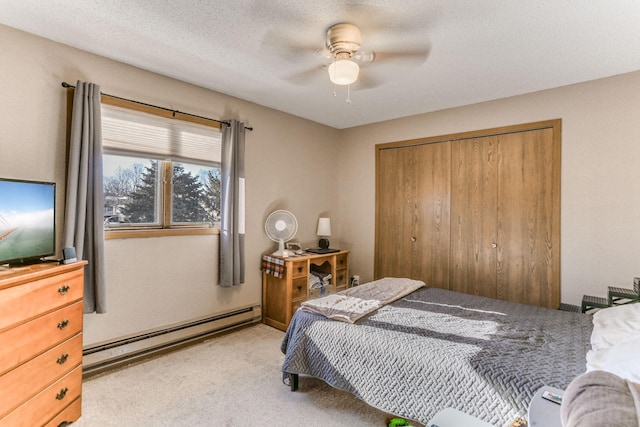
(364, 56)
(365, 82)
(323, 53)
(284, 47)
(306, 76)
(417, 56)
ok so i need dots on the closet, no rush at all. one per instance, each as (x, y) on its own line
(476, 212)
(413, 215)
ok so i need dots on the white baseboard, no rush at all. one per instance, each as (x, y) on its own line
(128, 349)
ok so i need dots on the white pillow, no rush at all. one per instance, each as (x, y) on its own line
(620, 359)
(615, 325)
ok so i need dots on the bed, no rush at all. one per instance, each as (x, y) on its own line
(435, 348)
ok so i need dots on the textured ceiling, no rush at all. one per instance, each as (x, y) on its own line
(263, 50)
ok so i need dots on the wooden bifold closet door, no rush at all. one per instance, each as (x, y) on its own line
(476, 213)
(413, 213)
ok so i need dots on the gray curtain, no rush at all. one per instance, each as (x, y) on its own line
(232, 205)
(84, 201)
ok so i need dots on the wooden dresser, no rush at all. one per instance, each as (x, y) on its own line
(41, 344)
(281, 296)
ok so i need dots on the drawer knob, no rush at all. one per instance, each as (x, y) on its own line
(63, 358)
(299, 269)
(63, 289)
(63, 324)
(62, 394)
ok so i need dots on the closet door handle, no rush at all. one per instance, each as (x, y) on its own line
(494, 245)
(413, 238)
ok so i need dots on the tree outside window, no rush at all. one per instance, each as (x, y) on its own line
(134, 190)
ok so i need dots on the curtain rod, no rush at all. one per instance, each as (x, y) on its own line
(69, 86)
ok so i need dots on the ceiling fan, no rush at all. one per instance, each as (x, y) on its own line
(343, 44)
(342, 48)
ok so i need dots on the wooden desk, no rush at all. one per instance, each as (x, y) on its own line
(281, 296)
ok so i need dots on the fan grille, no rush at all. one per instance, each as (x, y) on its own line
(281, 225)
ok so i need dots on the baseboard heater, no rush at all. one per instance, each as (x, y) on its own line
(126, 350)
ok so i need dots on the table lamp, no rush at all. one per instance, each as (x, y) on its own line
(324, 231)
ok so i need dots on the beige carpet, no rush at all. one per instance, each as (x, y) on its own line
(230, 380)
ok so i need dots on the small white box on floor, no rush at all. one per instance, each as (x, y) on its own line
(545, 413)
(450, 417)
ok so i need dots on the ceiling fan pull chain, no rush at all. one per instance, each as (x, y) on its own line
(348, 94)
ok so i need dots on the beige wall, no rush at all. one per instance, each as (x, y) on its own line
(600, 239)
(160, 281)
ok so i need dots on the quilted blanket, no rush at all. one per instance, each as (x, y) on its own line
(353, 303)
(434, 349)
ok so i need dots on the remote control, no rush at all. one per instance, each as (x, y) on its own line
(551, 397)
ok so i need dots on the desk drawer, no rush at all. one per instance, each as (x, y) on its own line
(32, 338)
(299, 288)
(22, 383)
(24, 302)
(295, 305)
(299, 269)
(52, 400)
(341, 280)
(341, 260)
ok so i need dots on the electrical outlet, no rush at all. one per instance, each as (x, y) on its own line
(355, 280)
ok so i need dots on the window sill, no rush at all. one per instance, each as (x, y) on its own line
(138, 234)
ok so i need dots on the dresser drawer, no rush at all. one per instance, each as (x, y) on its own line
(69, 415)
(23, 382)
(45, 405)
(26, 341)
(26, 301)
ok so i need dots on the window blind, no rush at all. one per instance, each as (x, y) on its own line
(131, 132)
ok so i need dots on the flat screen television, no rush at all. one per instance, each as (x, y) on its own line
(27, 221)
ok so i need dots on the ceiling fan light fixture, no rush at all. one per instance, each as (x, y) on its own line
(343, 72)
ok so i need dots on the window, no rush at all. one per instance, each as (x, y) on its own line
(160, 173)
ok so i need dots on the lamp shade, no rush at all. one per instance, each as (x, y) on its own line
(324, 227)
(343, 72)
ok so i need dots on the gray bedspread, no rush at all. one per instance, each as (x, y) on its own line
(436, 348)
